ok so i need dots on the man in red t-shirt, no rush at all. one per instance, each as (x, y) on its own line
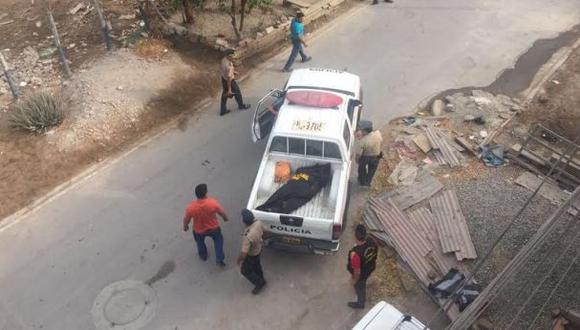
(203, 213)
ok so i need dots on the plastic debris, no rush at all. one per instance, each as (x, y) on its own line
(493, 155)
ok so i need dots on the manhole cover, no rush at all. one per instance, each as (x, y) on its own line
(124, 305)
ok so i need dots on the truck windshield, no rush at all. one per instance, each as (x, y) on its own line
(305, 147)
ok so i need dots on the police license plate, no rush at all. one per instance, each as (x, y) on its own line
(291, 240)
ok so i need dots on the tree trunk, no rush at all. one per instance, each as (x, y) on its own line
(188, 11)
(233, 16)
(242, 13)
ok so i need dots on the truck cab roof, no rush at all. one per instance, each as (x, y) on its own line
(324, 79)
(301, 120)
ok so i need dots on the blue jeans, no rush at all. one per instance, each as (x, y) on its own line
(218, 244)
(296, 49)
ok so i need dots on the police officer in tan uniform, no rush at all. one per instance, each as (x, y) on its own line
(230, 86)
(369, 152)
(249, 257)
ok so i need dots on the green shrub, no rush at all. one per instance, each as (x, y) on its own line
(38, 113)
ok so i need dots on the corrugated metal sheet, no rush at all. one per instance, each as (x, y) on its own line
(439, 157)
(438, 141)
(451, 225)
(432, 137)
(422, 218)
(449, 153)
(409, 243)
(414, 237)
(424, 187)
(375, 226)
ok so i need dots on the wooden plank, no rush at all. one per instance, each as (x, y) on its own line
(543, 164)
(572, 165)
(422, 142)
(454, 144)
(537, 160)
(467, 145)
(496, 132)
(548, 190)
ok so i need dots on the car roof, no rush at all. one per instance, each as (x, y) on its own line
(386, 317)
(326, 79)
(297, 120)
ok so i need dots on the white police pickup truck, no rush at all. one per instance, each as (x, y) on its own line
(318, 112)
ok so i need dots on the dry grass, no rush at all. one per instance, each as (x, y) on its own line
(152, 49)
(389, 280)
(475, 169)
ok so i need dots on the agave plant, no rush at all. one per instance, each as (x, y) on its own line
(38, 113)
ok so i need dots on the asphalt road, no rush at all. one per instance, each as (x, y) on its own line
(124, 222)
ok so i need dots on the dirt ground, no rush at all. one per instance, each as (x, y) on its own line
(114, 101)
(213, 21)
(107, 107)
(108, 103)
(489, 199)
(558, 105)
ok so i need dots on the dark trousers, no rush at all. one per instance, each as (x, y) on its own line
(218, 244)
(367, 166)
(361, 291)
(252, 270)
(235, 90)
(296, 49)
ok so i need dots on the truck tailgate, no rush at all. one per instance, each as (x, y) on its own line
(296, 226)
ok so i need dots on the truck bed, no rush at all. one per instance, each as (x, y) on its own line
(322, 206)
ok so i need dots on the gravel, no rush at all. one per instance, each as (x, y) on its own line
(489, 203)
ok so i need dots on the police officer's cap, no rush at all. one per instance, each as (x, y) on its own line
(365, 125)
(247, 216)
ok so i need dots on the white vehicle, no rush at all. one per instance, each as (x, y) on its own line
(386, 317)
(318, 112)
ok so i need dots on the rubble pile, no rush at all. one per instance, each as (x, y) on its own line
(459, 126)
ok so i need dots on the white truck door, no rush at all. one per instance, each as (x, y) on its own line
(354, 110)
(264, 118)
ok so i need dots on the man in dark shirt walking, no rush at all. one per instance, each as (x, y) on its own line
(362, 260)
(297, 38)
